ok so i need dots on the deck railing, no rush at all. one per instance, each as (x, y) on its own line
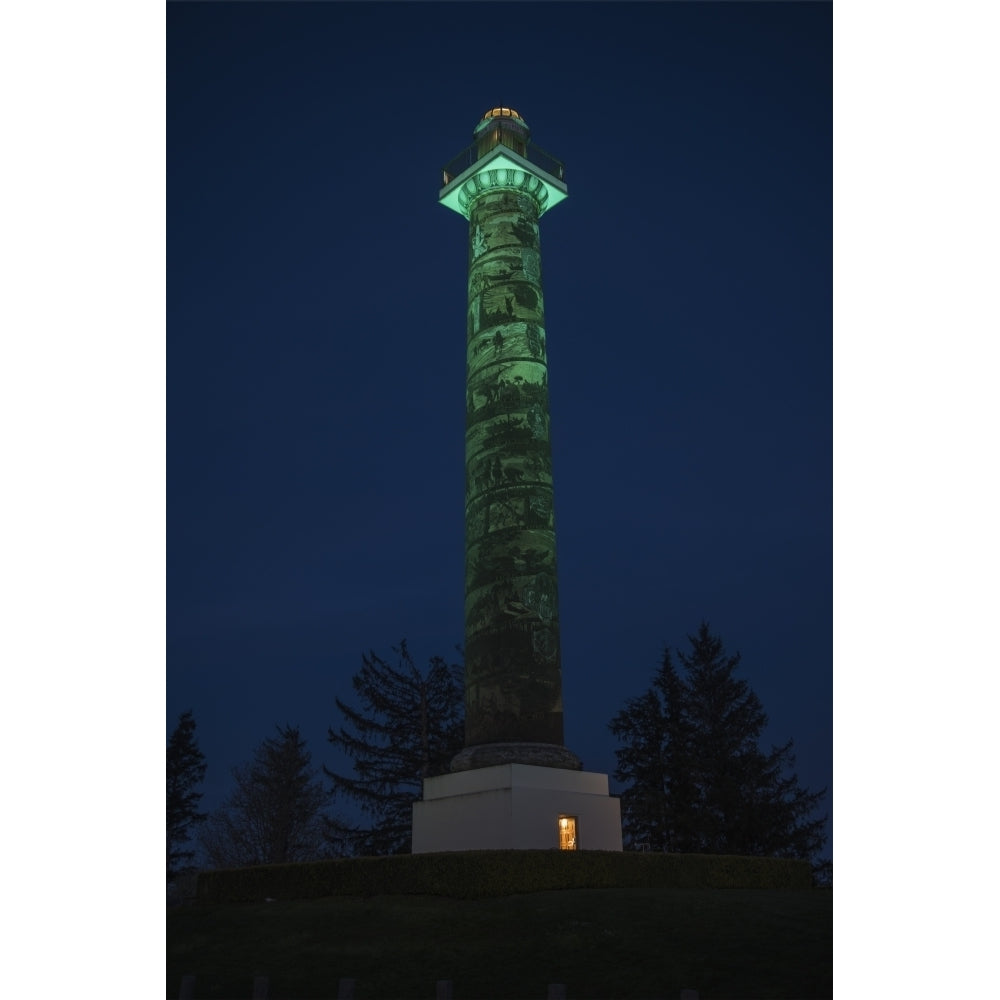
(533, 154)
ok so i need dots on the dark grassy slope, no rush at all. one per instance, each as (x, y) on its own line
(602, 943)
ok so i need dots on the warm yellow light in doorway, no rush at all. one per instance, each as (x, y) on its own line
(567, 833)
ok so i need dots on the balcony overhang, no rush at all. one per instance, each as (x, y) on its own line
(458, 194)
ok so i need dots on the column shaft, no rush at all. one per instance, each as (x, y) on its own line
(512, 657)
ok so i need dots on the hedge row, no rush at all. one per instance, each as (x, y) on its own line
(479, 874)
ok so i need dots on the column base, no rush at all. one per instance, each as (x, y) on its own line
(533, 754)
(517, 807)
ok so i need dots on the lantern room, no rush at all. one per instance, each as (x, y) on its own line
(501, 127)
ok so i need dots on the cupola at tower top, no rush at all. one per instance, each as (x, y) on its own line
(501, 127)
(502, 113)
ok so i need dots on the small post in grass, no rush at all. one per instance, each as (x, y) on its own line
(557, 991)
(187, 988)
(443, 990)
(260, 988)
(345, 989)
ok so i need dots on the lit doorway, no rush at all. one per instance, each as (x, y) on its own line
(567, 833)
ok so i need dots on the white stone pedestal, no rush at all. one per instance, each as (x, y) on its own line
(515, 806)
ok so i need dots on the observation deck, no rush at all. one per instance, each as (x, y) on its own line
(501, 141)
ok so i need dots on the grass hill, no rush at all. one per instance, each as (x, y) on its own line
(729, 944)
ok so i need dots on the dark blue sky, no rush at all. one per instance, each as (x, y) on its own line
(316, 349)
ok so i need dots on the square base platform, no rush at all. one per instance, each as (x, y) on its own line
(518, 807)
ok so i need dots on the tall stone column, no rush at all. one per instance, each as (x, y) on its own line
(513, 677)
(514, 786)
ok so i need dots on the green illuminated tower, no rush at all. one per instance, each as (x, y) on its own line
(515, 786)
(503, 184)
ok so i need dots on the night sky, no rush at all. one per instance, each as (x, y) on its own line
(316, 298)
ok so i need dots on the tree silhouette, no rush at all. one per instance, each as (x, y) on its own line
(655, 734)
(409, 726)
(185, 772)
(697, 779)
(274, 814)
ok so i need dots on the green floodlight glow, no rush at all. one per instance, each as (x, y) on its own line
(513, 673)
(502, 167)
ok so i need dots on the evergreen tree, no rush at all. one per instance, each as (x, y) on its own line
(642, 766)
(681, 788)
(274, 814)
(697, 779)
(185, 772)
(652, 762)
(409, 726)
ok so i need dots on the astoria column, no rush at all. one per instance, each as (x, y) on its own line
(513, 685)
(514, 786)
